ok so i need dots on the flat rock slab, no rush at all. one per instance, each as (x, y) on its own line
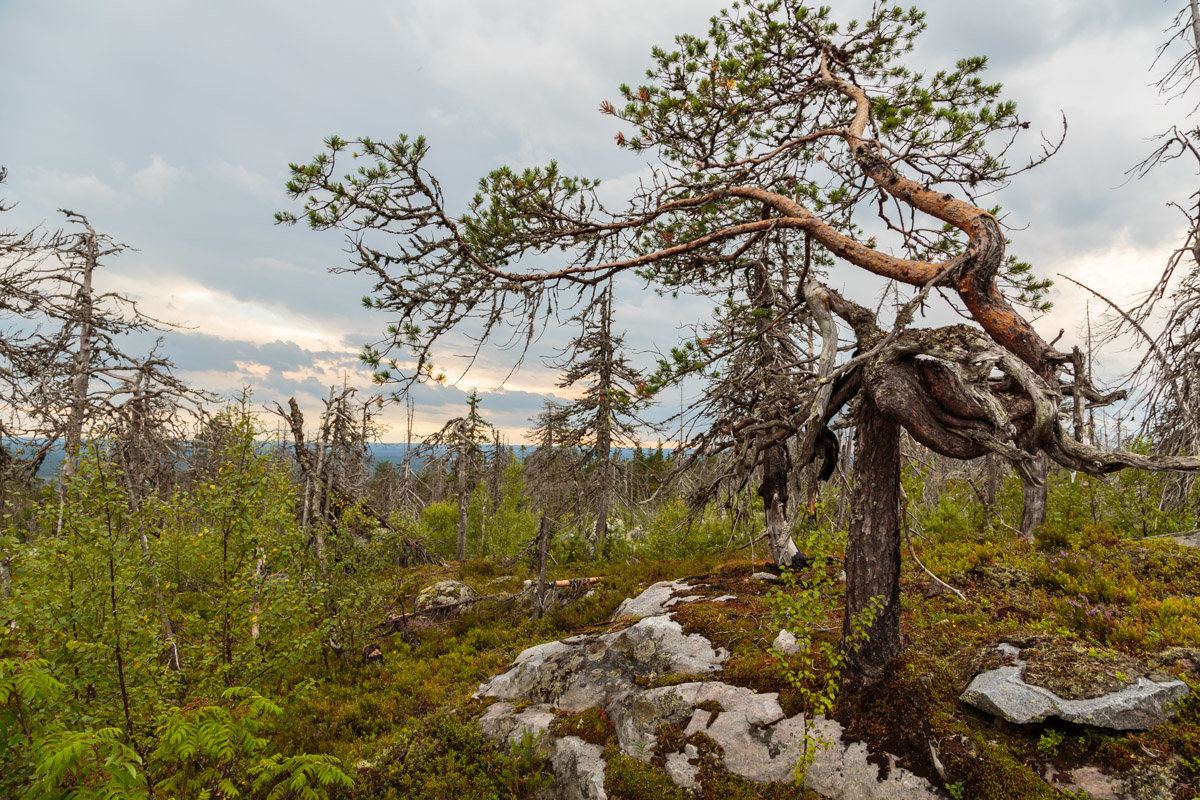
(588, 671)
(656, 600)
(1190, 539)
(502, 722)
(1138, 706)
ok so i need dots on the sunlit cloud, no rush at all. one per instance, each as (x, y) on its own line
(1122, 273)
(191, 304)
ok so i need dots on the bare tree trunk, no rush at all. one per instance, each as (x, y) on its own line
(83, 356)
(776, 464)
(543, 549)
(499, 460)
(408, 494)
(1194, 5)
(255, 603)
(604, 411)
(873, 548)
(774, 494)
(1033, 479)
(82, 369)
(604, 454)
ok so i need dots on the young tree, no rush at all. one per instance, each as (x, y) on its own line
(780, 120)
(462, 440)
(552, 479)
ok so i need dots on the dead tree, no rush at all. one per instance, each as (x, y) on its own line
(330, 467)
(64, 370)
(606, 414)
(1168, 377)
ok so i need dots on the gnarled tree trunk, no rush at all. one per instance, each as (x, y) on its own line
(1033, 481)
(873, 548)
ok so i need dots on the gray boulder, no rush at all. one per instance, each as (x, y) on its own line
(1143, 703)
(503, 723)
(444, 593)
(591, 671)
(786, 643)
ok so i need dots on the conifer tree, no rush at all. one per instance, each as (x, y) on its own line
(606, 414)
(461, 441)
(64, 371)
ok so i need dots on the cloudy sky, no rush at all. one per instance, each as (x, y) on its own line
(170, 123)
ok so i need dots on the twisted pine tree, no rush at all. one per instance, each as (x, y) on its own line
(779, 121)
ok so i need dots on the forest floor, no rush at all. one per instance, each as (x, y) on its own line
(406, 722)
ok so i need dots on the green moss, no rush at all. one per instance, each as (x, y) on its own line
(733, 625)
(660, 679)
(668, 738)
(626, 778)
(1075, 671)
(591, 725)
(995, 775)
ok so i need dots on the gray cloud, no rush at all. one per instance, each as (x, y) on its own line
(171, 126)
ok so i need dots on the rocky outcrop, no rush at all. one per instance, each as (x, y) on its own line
(588, 671)
(1142, 702)
(444, 594)
(617, 672)
(657, 599)
(578, 769)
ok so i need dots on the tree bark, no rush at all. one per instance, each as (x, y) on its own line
(873, 549)
(1033, 481)
(604, 422)
(604, 470)
(773, 491)
(83, 356)
(543, 549)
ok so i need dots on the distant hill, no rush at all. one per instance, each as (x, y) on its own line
(392, 452)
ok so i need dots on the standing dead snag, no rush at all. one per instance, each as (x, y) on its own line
(606, 414)
(326, 488)
(778, 123)
(64, 372)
